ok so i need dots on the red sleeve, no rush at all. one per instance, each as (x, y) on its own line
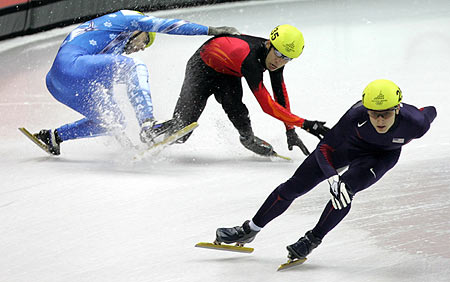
(288, 106)
(279, 91)
(270, 107)
(282, 98)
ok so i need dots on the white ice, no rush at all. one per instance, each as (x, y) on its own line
(91, 214)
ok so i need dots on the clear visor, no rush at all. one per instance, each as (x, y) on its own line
(279, 55)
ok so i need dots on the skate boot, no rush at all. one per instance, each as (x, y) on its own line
(151, 129)
(303, 246)
(257, 145)
(239, 234)
(51, 139)
(176, 126)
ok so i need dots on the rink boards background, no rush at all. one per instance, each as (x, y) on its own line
(19, 17)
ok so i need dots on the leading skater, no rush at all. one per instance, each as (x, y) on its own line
(367, 139)
(90, 61)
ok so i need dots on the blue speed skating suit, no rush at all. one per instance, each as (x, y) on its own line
(90, 61)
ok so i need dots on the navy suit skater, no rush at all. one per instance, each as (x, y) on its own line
(367, 140)
(352, 142)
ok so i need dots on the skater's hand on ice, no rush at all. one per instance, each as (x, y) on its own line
(223, 30)
(316, 128)
(340, 196)
(294, 140)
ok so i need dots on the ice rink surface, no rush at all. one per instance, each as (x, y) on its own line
(93, 214)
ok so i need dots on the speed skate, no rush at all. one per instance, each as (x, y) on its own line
(35, 140)
(168, 140)
(238, 248)
(291, 263)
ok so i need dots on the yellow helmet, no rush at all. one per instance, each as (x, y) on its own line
(381, 94)
(288, 40)
(151, 39)
(151, 35)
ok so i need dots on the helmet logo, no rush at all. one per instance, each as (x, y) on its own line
(289, 47)
(379, 100)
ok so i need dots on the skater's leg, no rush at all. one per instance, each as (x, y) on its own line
(86, 86)
(103, 116)
(307, 176)
(365, 171)
(134, 74)
(196, 89)
(329, 219)
(229, 94)
(83, 128)
(359, 176)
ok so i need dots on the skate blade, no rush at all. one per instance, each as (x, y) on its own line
(177, 135)
(291, 263)
(229, 248)
(35, 140)
(169, 140)
(282, 157)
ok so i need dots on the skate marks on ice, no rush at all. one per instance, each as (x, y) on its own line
(415, 214)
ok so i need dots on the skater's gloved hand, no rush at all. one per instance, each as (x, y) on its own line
(223, 30)
(340, 196)
(316, 128)
(294, 140)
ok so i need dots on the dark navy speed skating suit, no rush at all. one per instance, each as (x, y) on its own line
(355, 143)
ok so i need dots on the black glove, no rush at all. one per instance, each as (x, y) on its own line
(223, 30)
(316, 128)
(293, 140)
(341, 196)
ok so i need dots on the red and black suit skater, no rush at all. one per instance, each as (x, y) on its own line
(217, 68)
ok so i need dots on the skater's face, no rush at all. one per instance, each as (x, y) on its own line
(382, 121)
(275, 59)
(137, 42)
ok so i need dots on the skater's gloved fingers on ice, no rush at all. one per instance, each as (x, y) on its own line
(294, 140)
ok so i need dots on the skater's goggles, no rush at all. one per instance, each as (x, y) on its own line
(280, 55)
(385, 114)
(133, 37)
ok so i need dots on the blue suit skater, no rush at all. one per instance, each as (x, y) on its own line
(90, 61)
